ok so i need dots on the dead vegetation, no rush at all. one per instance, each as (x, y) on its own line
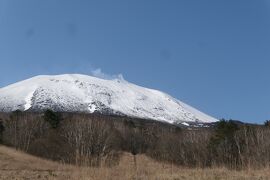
(105, 147)
(17, 165)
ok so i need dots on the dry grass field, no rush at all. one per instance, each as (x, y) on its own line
(18, 165)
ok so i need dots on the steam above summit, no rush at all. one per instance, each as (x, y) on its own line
(82, 93)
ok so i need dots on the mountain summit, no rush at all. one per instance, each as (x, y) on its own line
(82, 93)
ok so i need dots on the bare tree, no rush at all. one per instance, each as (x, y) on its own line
(91, 139)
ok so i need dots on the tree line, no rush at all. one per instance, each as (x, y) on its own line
(97, 140)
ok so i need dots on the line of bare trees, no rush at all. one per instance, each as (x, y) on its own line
(96, 140)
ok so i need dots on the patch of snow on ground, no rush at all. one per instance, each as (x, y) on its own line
(92, 108)
(28, 100)
(185, 124)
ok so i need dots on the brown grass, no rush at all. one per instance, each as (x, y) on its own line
(18, 165)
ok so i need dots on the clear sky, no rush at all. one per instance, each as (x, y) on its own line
(213, 55)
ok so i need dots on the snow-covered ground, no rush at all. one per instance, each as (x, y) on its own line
(82, 93)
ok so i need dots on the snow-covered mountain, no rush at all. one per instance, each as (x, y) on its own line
(82, 93)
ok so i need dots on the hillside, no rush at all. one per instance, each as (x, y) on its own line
(18, 165)
(81, 93)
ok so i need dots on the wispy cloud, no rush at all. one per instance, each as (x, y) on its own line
(100, 74)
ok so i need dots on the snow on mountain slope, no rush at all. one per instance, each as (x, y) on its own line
(82, 93)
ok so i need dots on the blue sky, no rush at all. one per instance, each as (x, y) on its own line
(213, 55)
